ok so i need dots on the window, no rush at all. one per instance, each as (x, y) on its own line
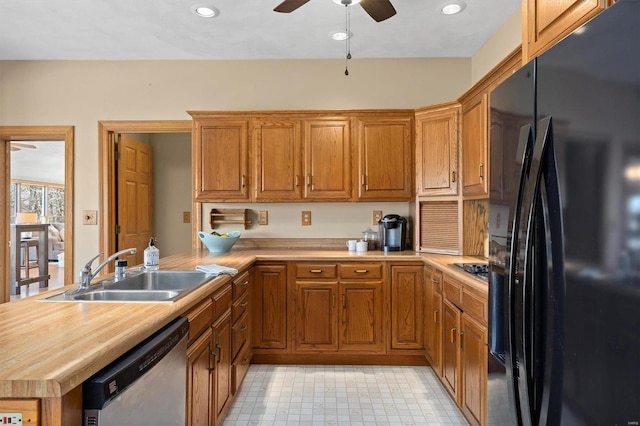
(46, 200)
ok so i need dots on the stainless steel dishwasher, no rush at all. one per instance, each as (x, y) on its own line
(145, 386)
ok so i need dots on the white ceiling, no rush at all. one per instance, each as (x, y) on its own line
(245, 29)
(45, 163)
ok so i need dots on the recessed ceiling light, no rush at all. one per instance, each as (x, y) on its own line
(347, 2)
(451, 8)
(341, 35)
(204, 11)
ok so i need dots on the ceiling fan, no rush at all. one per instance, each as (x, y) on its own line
(16, 146)
(379, 10)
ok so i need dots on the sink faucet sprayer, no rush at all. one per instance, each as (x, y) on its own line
(86, 275)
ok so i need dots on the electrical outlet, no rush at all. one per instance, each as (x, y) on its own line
(377, 215)
(186, 217)
(263, 217)
(10, 418)
(306, 218)
(89, 217)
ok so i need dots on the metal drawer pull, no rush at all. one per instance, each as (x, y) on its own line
(220, 349)
(244, 304)
(453, 176)
(315, 271)
(242, 181)
(435, 315)
(243, 328)
(481, 171)
(297, 181)
(361, 271)
(453, 335)
(244, 283)
(333, 302)
(344, 301)
(462, 340)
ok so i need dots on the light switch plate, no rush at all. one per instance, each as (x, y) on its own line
(89, 217)
(377, 215)
(263, 217)
(186, 217)
(306, 218)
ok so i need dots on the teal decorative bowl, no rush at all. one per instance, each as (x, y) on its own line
(217, 244)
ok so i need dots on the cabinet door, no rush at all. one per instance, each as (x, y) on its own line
(221, 159)
(385, 159)
(451, 349)
(361, 317)
(433, 318)
(474, 146)
(269, 307)
(327, 160)
(316, 316)
(407, 307)
(222, 368)
(199, 380)
(548, 21)
(278, 160)
(474, 370)
(437, 151)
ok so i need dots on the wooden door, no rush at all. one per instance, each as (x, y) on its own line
(222, 367)
(278, 159)
(327, 160)
(199, 380)
(220, 157)
(270, 307)
(407, 307)
(316, 316)
(474, 354)
(437, 150)
(474, 146)
(135, 197)
(450, 349)
(433, 320)
(361, 317)
(547, 22)
(385, 159)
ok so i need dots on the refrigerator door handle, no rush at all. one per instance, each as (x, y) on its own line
(513, 282)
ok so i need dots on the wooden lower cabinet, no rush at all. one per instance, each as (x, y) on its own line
(316, 320)
(407, 307)
(473, 356)
(361, 324)
(433, 318)
(270, 307)
(222, 366)
(451, 349)
(200, 380)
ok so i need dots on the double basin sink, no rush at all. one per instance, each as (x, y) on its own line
(144, 286)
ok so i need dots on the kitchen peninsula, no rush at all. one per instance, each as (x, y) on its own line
(47, 350)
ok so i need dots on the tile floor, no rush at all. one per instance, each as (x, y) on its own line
(313, 395)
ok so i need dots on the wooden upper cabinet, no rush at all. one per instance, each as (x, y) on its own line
(474, 146)
(385, 167)
(437, 150)
(277, 159)
(547, 22)
(221, 159)
(327, 159)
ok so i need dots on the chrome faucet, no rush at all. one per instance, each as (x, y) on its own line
(86, 275)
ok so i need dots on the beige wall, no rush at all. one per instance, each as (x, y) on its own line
(81, 93)
(503, 42)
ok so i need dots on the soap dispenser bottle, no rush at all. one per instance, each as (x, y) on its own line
(152, 256)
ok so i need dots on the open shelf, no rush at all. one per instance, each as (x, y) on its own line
(237, 216)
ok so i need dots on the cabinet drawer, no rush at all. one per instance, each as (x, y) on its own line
(240, 284)
(240, 335)
(200, 319)
(361, 270)
(475, 306)
(453, 290)
(221, 301)
(239, 307)
(240, 367)
(316, 270)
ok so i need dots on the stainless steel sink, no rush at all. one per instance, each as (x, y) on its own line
(127, 295)
(145, 286)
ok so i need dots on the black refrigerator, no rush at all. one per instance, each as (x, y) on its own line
(564, 225)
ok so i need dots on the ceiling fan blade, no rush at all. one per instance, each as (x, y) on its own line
(13, 148)
(22, 145)
(379, 10)
(289, 5)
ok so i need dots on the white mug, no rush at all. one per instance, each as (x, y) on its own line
(351, 245)
(361, 246)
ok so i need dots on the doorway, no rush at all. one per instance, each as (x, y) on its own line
(25, 134)
(108, 214)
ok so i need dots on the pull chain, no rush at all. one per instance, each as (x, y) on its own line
(348, 44)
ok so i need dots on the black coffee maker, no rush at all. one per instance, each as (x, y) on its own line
(393, 233)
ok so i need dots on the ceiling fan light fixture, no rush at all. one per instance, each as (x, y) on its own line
(453, 7)
(204, 11)
(341, 35)
(346, 2)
